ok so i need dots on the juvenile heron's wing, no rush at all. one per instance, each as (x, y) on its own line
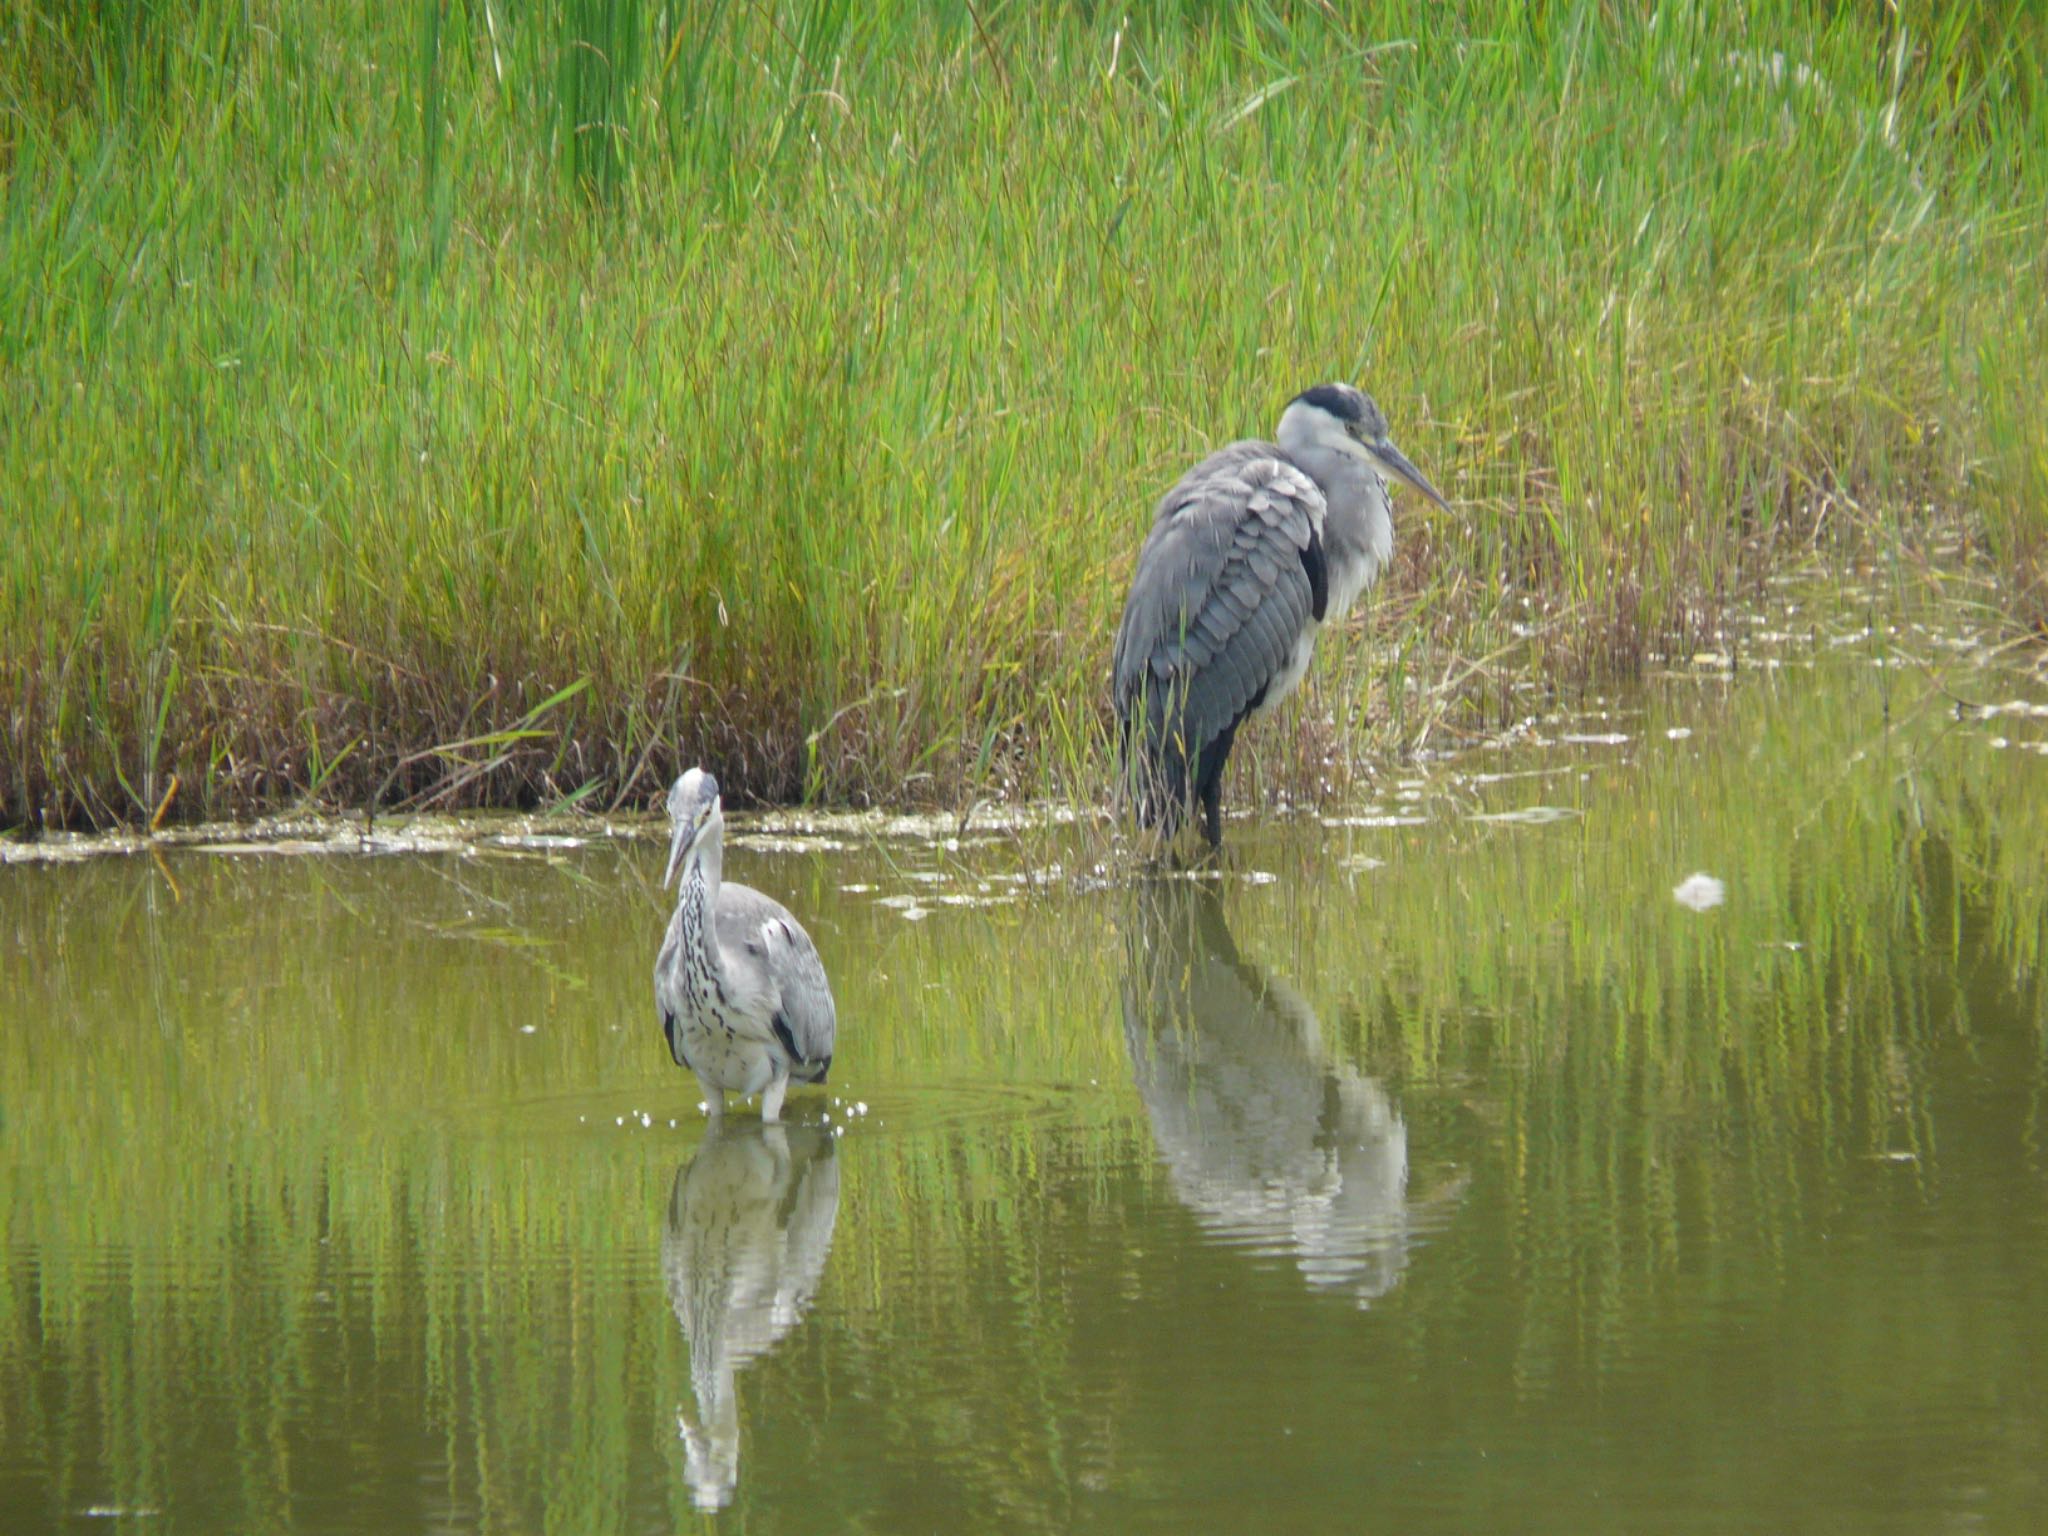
(1229, 577)
(759, 935)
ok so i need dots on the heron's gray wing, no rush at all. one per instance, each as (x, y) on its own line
(1230, 575)
(758, 932)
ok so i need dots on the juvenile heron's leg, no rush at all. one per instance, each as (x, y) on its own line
(771, 1098)
(714, 1099)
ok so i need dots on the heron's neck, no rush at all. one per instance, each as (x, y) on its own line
(1358, 530)
(697, 901)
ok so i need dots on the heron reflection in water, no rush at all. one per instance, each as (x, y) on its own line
(749, 1227)
(1266, 1140)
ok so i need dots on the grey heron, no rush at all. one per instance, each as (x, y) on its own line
(749, 1228)
(1255, 550)
(1270, 1144)
(739, 986)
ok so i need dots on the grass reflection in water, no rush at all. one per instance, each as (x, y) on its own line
(341, 1192)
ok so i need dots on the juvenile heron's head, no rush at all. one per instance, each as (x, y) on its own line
(693, 812)
(1343, 419)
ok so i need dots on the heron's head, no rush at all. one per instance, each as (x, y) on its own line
(693, 811)
(1342, 419)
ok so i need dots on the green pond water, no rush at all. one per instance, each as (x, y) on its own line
(1434, 1167)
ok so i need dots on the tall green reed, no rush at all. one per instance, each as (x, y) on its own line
(802, 375)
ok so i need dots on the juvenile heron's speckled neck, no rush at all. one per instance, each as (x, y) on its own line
(697, 903)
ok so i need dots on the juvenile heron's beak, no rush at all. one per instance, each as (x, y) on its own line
(679, 844)
(1395, 462)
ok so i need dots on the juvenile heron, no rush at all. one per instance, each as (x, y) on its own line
(1257, 547)
(739, 986)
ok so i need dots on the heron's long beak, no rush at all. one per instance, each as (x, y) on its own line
(1396, 463)
(679, 844)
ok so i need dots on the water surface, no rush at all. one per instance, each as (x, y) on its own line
(1432, 1168)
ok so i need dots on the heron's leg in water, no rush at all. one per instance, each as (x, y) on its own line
(714, 1099)
(771, 1099)
(1209, 783)
(1212, 810)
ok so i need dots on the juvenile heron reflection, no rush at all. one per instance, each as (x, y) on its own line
(749, 1227)
(1266, 1140)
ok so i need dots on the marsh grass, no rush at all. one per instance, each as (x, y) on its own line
(481, 402)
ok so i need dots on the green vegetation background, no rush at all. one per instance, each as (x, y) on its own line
(487, 402)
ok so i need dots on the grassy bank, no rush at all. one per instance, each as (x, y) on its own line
(495, 403)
